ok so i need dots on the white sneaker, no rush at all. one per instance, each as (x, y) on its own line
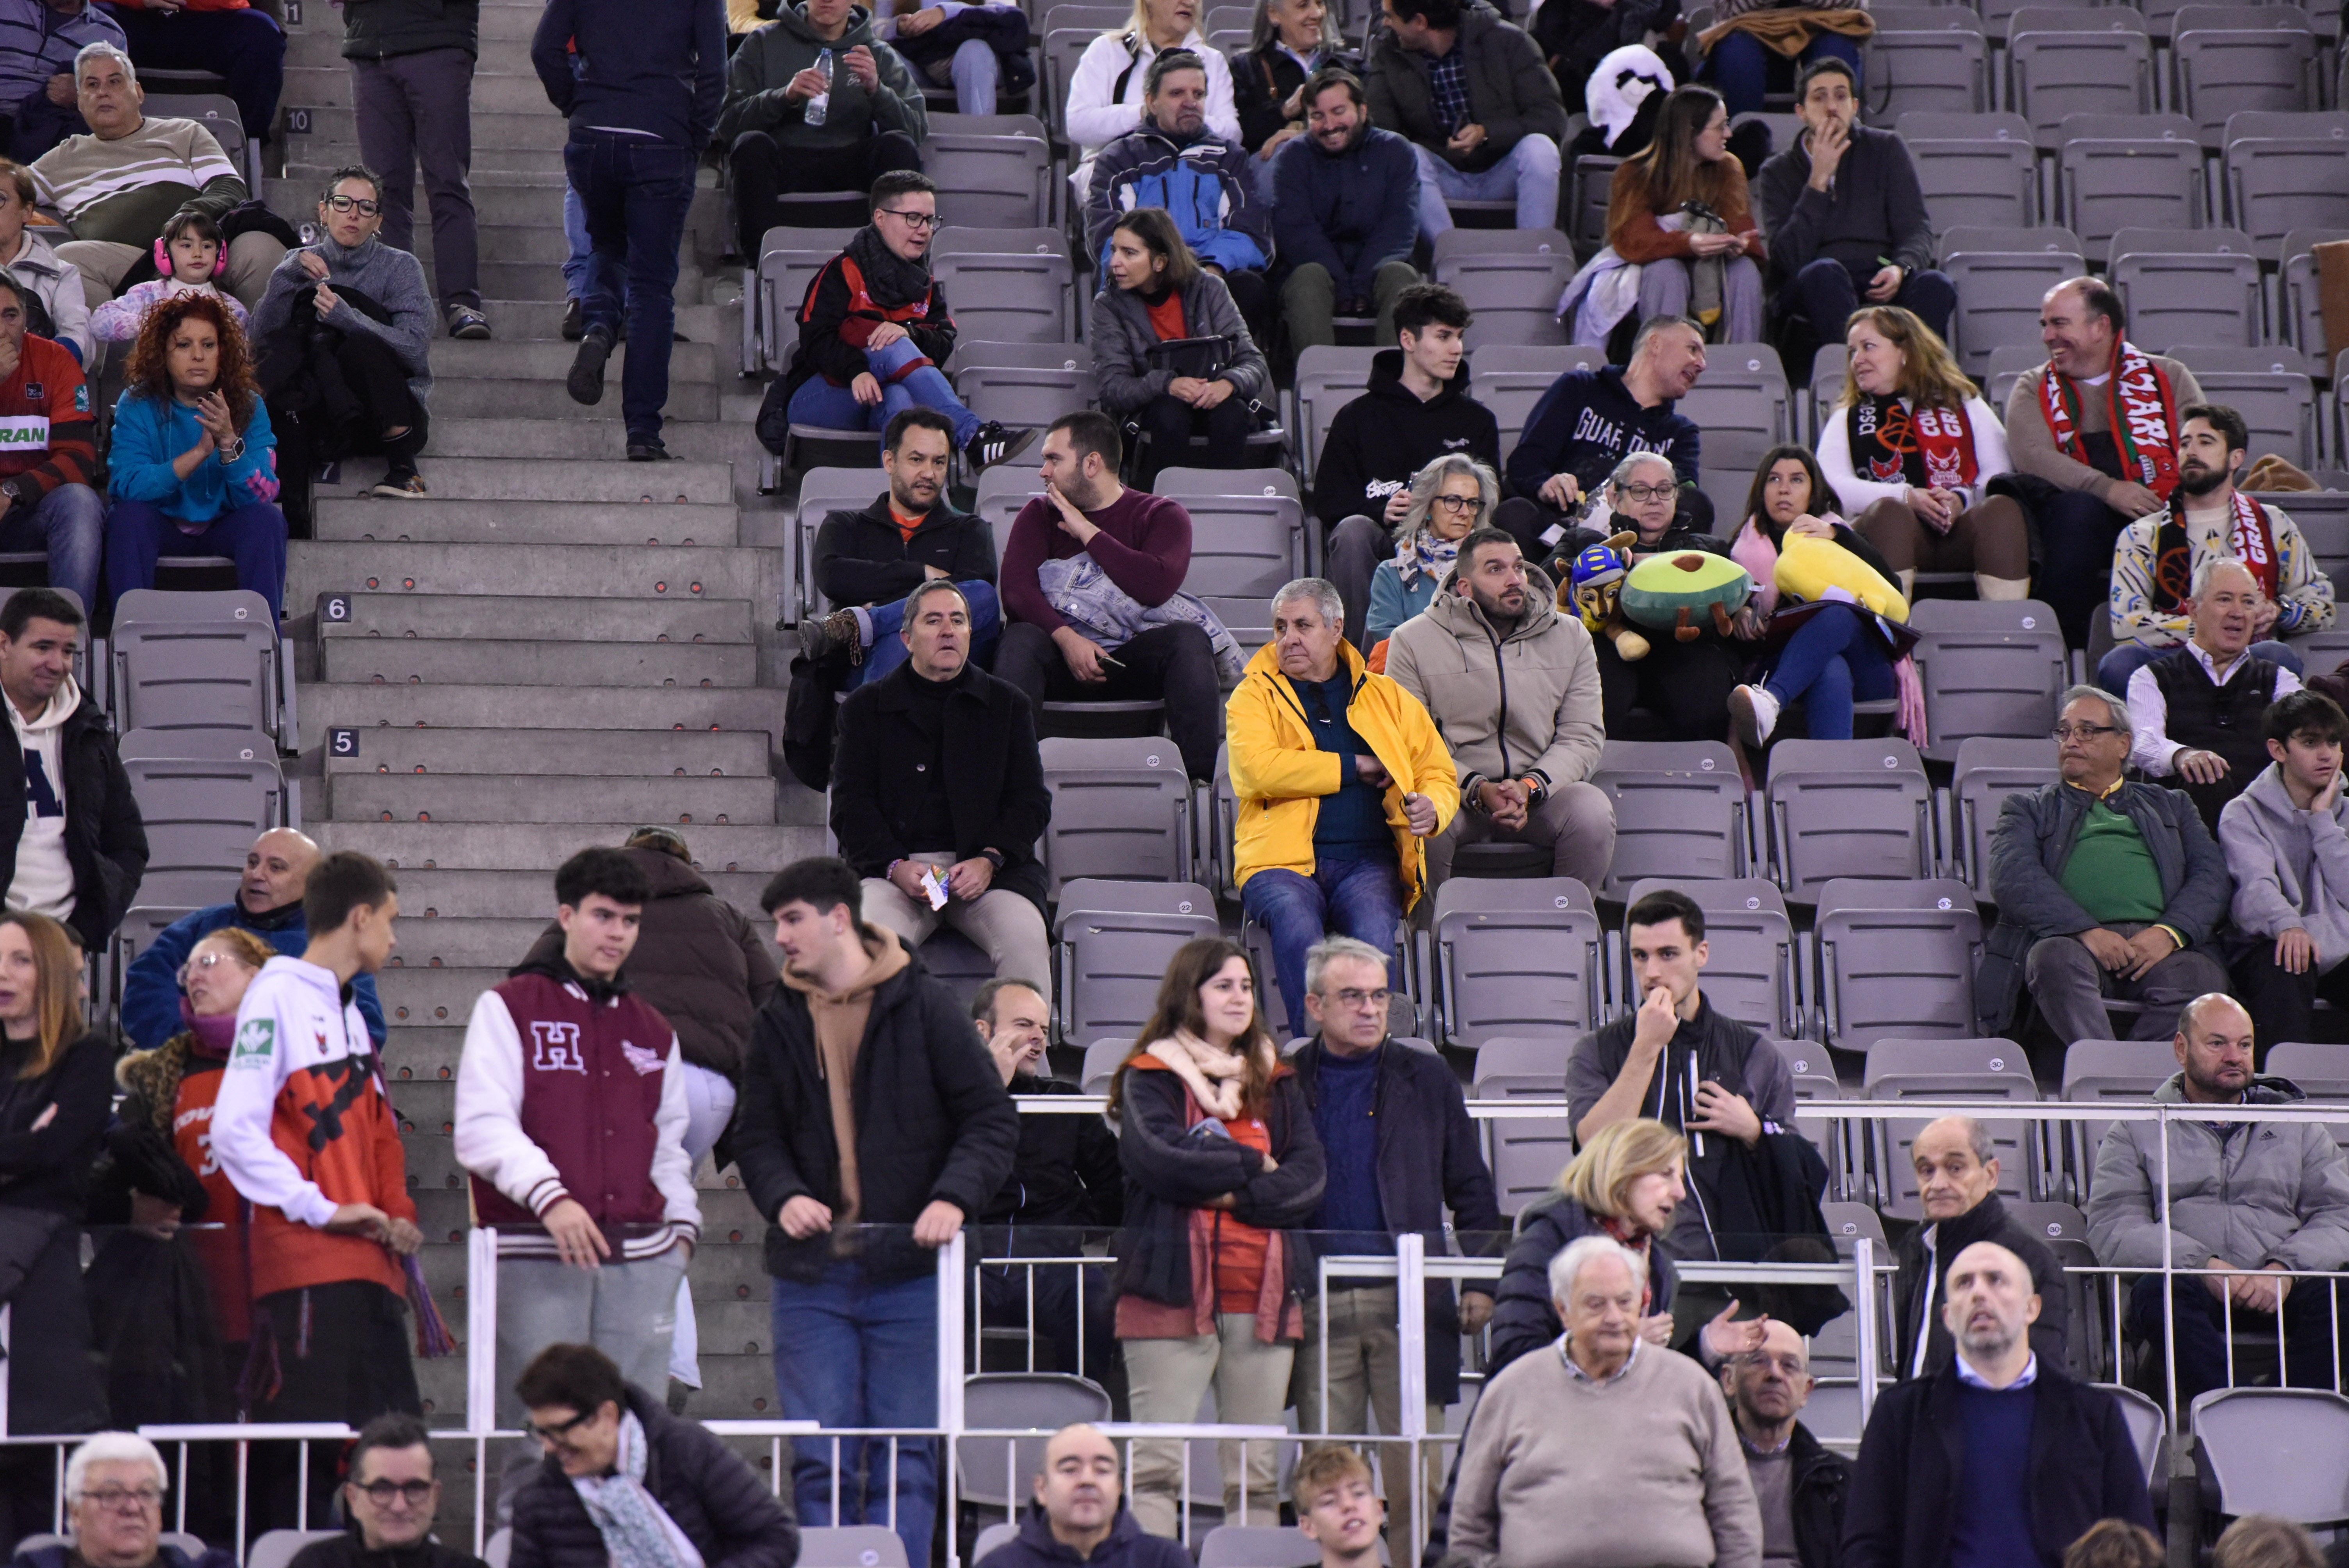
(1752, 714)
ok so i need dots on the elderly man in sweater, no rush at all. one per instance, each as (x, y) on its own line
(1603, 1451)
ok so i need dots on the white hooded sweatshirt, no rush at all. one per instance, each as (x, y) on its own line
(45, 881)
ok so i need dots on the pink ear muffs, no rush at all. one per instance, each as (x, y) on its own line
(163, 259)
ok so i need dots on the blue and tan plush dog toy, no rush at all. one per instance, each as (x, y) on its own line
(1593, 593)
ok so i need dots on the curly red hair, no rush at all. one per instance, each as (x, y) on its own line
(150, 369)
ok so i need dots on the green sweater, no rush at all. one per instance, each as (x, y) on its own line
(2111, 872)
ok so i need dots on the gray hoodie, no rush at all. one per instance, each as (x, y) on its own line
(2252, 1192)
(2290, 867)
(765, 62)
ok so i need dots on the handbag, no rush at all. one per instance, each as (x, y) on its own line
(1203, 358)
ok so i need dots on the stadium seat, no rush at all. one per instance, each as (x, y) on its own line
(1988, 770)
(2277, 404)
(190, 662)
(1741, 405)
(1680, 812)
(1848, 1222)
(2247, 63)
(2002, 19)
(2300, 316)
(2148, 1427)
(1329, 377)
(1517, 957)
(788, 262)
(1002, 1532)
(1121, 808)
(1003, 490)
(1115, 939)
(217, 113)
(140, 927)
(2107, 1070)
(1024, 386)
(1247, 539)
(1511, 278)
(1527, 1153)
(1896, 960)
(1063, 45)
(1982, 179)
(1942, 68)
(2008, 366)
(850, 1546)
(275, 1548)
(1100, 1063)
(1829, 366)
(993, 1473)
(1935, 125)
(1906, 18)
(823, 490)
(1989, 667)
(994, 180)
(2101, 63)
(1987, 1070)
(1510, 379)
(2279, 1451)
(2277, 183)
(1752, 973)
(2105, 185)
(497, 1551)
(1846, 808)
(1815, 1079)
(1262, 1545)
(2323, 517)
(202, 814)
(1999, 294)
(1585, 214)
(1006, 295)
(2321, 1069)
(2200, 287)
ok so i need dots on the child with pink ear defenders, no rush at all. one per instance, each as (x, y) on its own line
(191, 256)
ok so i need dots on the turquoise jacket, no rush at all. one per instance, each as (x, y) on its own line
(149, 434)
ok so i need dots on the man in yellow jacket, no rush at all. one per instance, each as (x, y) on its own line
(1341, 779)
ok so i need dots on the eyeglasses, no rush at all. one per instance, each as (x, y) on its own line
(1648, 493)
(1456, 503)
(116, 1498)
(913, 220)
(559, 1431)
(361, 204)
(2063, 732)
(1349, 997)
(415, 1493)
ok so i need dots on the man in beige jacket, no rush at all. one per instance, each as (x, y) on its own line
(1513, 686)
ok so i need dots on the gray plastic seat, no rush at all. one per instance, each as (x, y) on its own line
(2242, 66)
(1003, 490)
(1121, 808)
(1510, 379)
(141, 924)
(1988, 770)
(823, 490)
(217, 113)
(1998, 299)
(2002, 19)
(2278, 183)
(188, 662)
(1101, 1060)
(276, 1548)
(1009, 297)
(2102, 65)
(1741, 404)
(851, 1546)
(1024, 386)
(2181, 288)
(2300, 315)
(2319, 1067)
(995, 1472)
(1978, 181)
(1935, 125)
(2282, 1452)
(1329, 377)
(1589, 187)
(2097, 1070)
(498, 1549)
(2148, 1427)
(1528, 1153)
(994, 180)
(1751, 974)
(1002, 1532)
(1849, 1223)
(1846, 808)
(1519, 957)
(1511, 279)
(2109, 184)
(1939, 68)
(788, 259)
(1989, 667)
(1896, 961)
(1680, 812)
(1987, 1070)
(1247, 539)
(201, 816)
(1814, 1078)
(2278, 405)
(1261, 1546)
(1115, 940)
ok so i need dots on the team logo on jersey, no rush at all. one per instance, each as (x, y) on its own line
(256, 1042)
(646, 1062)
(81, 399)
(554, 1048)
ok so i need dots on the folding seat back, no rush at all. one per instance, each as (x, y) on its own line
(1998, 299)
(1527, 1152)
(1934, 125)
(2007, 365)
(2099, 66)
(1892, 18)
(2300, 315)
(1815, 1080)
(1514, 287)
(1988, 770)
(1589, 185)
(2280, 1452)
(991, 1471)
(2188, 289)
(1751, 972)
(201, 815)
(1896, 960)
(851, 1546)
(1846, 808)
(2276, 184)
(1121, 807)
(1247, 539)
(1989, 667)
(987, 124)
(217, 113)
(1328, 378)
(1258, 1546)
(1063, 46)
(822, 491)
(994, 180)
(2320, 1068)
(2108, 185)
(2240, 65)
(1028, 396)
(1985, 1071)
(1978, 181)
(1942, 69)
(2128, 1070)
(1517, 957)
(1083, 14)
(1510, 379)
(1103, 1058)
(1008, 297)
(190, 662)
(1003, 490)
(788, 259)
(2322, 518)
(1116, 939)
(1741, 405)
(2002, 19)
(141, 926)
(2278, 407)
(1680, 812)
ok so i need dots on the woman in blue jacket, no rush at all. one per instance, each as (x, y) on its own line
(1450, 497)
(193, 467)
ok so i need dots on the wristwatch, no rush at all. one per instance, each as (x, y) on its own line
(231, 451)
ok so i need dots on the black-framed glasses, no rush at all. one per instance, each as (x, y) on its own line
(2063, 732)
(415, 1493)
(1456, 504)
(359, 204)
(559, 1430)
(1649, 492)
(913, 219)
(1351, 998)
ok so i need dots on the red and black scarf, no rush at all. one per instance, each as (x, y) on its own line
(1927, 448)
(2143, 412)
(2251, 540)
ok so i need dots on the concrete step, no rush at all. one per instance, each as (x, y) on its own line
(501, 798)
(559, 439)
(563, 570)
(401, 615)
(538, 847)
(333, 139)
(689, 400)
(557, 753)
(540, 320)
(525, 894)
(506, 478)
(495, 91)
(304, 178)
(530, 522)
(446, 943)
(550, 361)
(538, 130)
(421, 1053)
(559, 711)
(431, 661)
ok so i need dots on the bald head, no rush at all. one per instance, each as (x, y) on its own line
(1992, 1305)
(1768, 1386)
(1956, 1165)
(276, 870)
(1079, 1488)
(2214, 1045)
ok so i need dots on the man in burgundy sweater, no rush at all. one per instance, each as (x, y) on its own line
(1142, 543)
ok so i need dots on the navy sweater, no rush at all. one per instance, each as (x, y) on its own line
(656, 68)
(1990, 1526)
(1351, 212)
(1586, 424)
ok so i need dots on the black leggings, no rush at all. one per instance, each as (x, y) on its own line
(1170, 423)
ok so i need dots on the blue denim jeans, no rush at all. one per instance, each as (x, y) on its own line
(976, 72)
(69, 522)
(851, 1353)
(2113, 671)
(574, 234)
(1361, 899)
(1527, 175)
(1834, 661)
(1739, 66)
(889, 648)
(634, 192)
(818, 402)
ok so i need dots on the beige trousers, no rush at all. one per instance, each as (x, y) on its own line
(1166, 1378)
(1366, 1378)
(1003, 925)
(251, 258)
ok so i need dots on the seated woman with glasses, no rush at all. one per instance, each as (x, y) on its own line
(1450, 498)
(1157, 296)
(876, 335)
(115, 1486)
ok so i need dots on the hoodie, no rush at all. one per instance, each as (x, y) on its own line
(43, 882)
(1379, 440)
(60, 775)
(1586, 423)
(2290, 867)
(839, 1019)
(769, 58)
(1128, 1545)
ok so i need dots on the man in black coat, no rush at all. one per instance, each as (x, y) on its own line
(72, 843)
(1400, 1149)
(1998, 1460)
(1957, 1185)
(390, 1497)
(938, 796)
(597, 1428)
(1079, 1517)
(1800, 1484)
(865, 563)
(868, 1106)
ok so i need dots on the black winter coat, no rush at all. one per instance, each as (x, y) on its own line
(1821, 1488)
(348, 1551)
(1066, 1174)
(2084, 1467)
(698, 963)
(932, 1119)
(862, 559)
(105, 838)
(997, 798)
(1379, 440)
(1523, 1315)
(383, 29)
(716, 1499)
(1987, 1220)
(1429, 1158)
(1169, 1175)
(1262, 80)
(1128, 1546)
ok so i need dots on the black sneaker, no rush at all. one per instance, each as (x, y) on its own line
(401, 484)
(585, 382)
(993, 444)
(575, 320)
(824, 636)
(647, 449)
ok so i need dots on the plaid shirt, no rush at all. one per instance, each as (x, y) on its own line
(1447, 85)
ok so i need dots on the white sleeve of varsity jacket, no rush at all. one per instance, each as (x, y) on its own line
(246, 1105)
(672, 1170)
(491, 1142)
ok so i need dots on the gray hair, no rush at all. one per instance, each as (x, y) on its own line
(1977, 1137)
(1265, 29)
(1577, 1255)
(1329, 950)
(1430, 479)
(103, 1447)
(1633, 462)
(926, 587)
(1326, 599)
(2211, 568)
(2114, 707)
(105, 51)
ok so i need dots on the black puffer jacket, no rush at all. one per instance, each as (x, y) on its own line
(105, 838)
(862, 559)
(1523, 1318)
(724, 1509)
(384, 30)
(1066, 1174)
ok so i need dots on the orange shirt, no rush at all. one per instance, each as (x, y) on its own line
(905, 525)
(1240, 1246)
(1167, 317)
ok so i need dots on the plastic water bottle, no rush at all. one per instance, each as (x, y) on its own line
(819, 104)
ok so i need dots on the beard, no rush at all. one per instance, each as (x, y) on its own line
(2200, 483)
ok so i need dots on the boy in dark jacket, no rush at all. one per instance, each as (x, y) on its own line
(1417, 409)
(601, 1433)
(1342, 214)
(868, 1106)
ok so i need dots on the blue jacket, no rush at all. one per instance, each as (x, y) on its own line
(1353, 212)
(149, 432)
(656, 68)
(1203, 184)
(1393, 601)
(151, 991)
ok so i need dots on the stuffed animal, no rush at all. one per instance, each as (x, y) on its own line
(1682, 592)
(1812, 568)
(1592, 592)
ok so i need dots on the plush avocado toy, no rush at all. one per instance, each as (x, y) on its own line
(1810, 568)
(1683, 591)
(1591, 589)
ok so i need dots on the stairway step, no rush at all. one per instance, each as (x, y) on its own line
(452, 661)
(459, 361)
(558, 753)
(539, 131)
(494, 92)
(689, 400)
(418, 1052)
(448, 943)
(558, 439)
(539, 847)
(539, 319)
(519, 895)
(493, 798)
(507, 479)
(529, 521)
(375, 710)
(578, 571)
(482, 616)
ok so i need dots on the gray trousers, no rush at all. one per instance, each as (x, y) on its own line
(1356, 547)
(1664, 290)
(1576, 821)
(628, 1311)
(418, 108)
(2070, 987)
(1004, 925)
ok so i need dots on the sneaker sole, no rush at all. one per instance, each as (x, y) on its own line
(585, 382)
(1743, 720)
(1018, 444)
(390, 492)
